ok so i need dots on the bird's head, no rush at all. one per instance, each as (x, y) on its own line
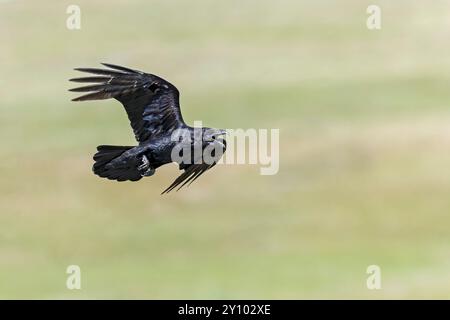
(215, 143)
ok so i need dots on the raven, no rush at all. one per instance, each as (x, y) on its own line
(152, 106)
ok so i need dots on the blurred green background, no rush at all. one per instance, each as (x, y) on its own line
(365, 150)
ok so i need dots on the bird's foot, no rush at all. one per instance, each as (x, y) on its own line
(145, 169)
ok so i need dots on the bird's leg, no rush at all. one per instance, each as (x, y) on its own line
(145, 169)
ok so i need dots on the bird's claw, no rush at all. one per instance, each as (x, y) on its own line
(145, 169)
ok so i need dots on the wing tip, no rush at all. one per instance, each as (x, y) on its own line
(120, 68)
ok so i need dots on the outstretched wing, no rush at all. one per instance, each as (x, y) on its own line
(152, 103)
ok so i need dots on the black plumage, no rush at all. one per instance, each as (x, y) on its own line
(152, 106)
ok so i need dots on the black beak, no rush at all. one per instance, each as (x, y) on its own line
(220, 132)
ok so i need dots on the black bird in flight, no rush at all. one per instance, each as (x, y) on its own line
(152, 106)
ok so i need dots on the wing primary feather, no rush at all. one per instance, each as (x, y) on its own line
(114, 66)
(100, 95)
(185, 175)
(91, 79)
(100, 71)
(97, 87)
(188, 176)
(202, 172)
(197, 173)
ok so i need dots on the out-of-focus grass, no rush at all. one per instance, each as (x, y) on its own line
(364, 176)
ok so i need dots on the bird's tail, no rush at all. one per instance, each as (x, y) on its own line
(106, 167)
